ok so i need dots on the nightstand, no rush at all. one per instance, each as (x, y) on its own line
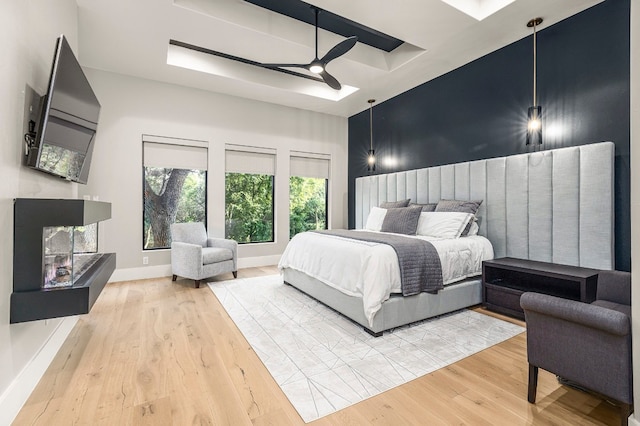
(505, 279)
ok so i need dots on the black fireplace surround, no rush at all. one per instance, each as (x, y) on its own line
(31, 299)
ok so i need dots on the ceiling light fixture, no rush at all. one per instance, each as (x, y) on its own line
(316, 67)
(371, 157)
(534, 114)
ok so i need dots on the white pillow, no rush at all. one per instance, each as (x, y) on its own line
(442, 224)
(375, 219)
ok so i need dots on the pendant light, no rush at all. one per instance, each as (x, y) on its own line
(534, 114)
(371, 157)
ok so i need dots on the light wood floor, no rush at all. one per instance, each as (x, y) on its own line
(161, 353)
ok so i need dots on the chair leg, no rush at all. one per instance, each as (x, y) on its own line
(235, 274)
(175, 277)
(197, 283)
(625, 412)
(533, 383)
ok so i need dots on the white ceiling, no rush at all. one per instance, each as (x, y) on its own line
(132, 37)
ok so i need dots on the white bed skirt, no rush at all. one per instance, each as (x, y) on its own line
(397, 310)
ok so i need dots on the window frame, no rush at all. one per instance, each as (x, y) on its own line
(326, 175)
(180, 143)
(252, 160)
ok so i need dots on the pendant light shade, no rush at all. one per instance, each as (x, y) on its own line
(534, 114)
(534, 125)
(371, 156)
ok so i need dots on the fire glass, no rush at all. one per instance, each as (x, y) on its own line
(68, 252)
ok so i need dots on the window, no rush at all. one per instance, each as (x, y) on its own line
(308, 185)
(249, 186)
(174, 187)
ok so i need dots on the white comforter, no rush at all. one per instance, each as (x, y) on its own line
(370, 270)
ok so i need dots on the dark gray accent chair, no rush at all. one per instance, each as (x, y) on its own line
(585, 344)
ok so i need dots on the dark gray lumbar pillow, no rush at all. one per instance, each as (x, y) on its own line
(395, 204)
(461, 206)
(403, 220)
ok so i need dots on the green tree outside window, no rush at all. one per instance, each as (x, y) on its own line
(249, 207)
(307, 204)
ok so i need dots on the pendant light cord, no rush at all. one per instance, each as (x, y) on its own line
(534, 64)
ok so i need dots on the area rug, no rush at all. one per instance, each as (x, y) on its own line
(324, 362)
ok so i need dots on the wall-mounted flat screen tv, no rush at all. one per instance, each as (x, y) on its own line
(67, 122)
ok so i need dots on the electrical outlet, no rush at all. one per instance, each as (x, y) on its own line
(145, 260)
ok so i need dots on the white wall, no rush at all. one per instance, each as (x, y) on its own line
(635, 202)
(132, 107)
(28, 31)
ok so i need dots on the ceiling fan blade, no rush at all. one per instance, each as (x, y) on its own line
(330, 80)
(339, 49)
(286, 65)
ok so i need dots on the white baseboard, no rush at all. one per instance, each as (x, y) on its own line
(14, 397)
(255, 262)
(157, 271)
(141, 273)
(633, 421)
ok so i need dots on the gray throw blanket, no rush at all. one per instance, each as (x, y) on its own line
(420, 268)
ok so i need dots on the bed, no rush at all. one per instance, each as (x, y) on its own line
(553, 206)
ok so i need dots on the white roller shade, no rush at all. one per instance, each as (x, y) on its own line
(168, 155)
(256, 163)
(309, 167)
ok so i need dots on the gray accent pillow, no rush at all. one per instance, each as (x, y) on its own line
(461, 206)
(429, 207)
(403, 220)
(395, 204)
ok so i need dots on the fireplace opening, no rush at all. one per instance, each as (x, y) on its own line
(69, 251)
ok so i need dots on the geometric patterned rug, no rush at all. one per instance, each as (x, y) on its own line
(325, 362)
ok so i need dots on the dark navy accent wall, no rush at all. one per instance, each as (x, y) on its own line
(480, 110)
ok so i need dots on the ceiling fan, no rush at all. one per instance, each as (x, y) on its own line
(319, 66)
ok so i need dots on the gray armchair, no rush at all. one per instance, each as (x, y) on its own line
(196, 256)
(587, 344)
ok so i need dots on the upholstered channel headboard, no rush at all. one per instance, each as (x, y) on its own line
(553, 206)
